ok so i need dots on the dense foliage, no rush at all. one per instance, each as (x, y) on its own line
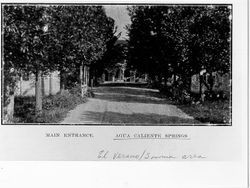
(180, 41)
(40, 39)
(80, 35)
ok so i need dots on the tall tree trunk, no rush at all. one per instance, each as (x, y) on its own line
(188, 84)
(200, 87)
(81, 80)
(103, 77)
(21, 83)
(62, 81)
(211, 82)
(87, 75)
(9, 108)
(50, 84)
(43, 85)
(165, 79)
(202, 96)
(38, 92)
(91, 77)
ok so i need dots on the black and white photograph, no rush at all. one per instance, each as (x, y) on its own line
(124, 94)
(117, 64)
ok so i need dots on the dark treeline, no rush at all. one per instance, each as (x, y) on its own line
(41, 39)
(180, 41)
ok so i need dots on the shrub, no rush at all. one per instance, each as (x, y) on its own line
(167, 91)
(24, 108)
(209, 111)
(77, 91)
(55, 107)
(90, 93)
(177, 94)
(53, 115)
(63, 100)
(217, 95)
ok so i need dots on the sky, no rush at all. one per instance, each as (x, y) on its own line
(121, 17)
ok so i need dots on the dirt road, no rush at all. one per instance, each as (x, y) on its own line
(127, 105)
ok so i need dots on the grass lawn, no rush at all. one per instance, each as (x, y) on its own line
(24, 112)
(216, 112)
(55, 107)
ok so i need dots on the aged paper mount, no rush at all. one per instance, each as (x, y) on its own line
(219, 152)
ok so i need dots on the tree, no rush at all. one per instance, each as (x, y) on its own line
(80, 34)
(140, 40)
(40, 39)
(180, 41)
(11, 55)
(24, 44)
(211, 41)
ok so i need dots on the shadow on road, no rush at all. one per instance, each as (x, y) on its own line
(130, 95)
(113, 117)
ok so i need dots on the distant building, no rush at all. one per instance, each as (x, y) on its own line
(116, 74)
(120, 72)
